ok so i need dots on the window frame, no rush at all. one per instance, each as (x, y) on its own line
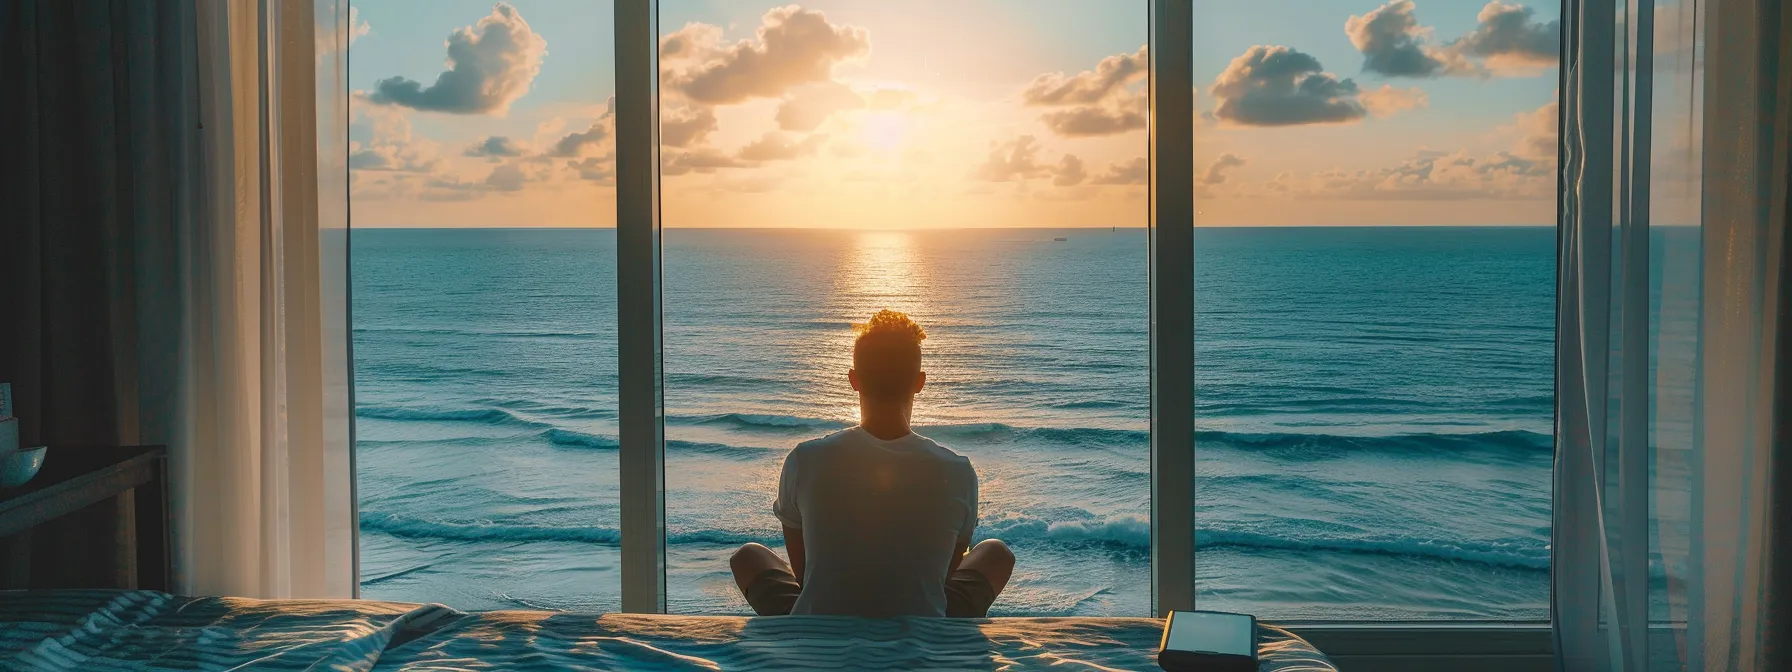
(641, 425)
(641, 422)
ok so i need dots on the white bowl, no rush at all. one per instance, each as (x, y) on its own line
(17, 467)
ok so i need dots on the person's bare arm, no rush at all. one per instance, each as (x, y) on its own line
(793, 547)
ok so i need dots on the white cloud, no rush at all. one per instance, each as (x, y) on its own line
(598, 138)
(1387, 100)
(1511, 40)
(497, 146)
(490, 65)
(1507, 40)
(600, 169)
(1431, 176)
(1119, 114)
(1112, 74)
(682, 127)
(1278, 86)
(1069, 171)
(1394, 44)
(1013, 161)
(775, 146)
(1106, 100)
(697, 160)
(391, 146)
(792, 46)
(811, 105)
(1216, 171)
(1136, 170)
(325, 41)
(1538, 128)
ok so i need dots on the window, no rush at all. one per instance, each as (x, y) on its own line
(1373, 292)
(484, 304)
(1375, 309)
(1001, 204)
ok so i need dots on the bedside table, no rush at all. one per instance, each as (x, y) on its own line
(94, 517)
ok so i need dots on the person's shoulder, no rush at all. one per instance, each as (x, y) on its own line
(835, 438)
(941, 451)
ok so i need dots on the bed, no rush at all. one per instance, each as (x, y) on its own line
(146, 630)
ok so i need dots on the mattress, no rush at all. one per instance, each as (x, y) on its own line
(142, 630)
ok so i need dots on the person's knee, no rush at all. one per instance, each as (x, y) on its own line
(748, 557)
(997, 552)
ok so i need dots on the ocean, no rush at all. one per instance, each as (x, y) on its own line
(1374, 404)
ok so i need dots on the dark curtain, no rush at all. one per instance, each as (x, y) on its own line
(93, 154)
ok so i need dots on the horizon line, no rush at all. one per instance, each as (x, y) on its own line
(971, 228)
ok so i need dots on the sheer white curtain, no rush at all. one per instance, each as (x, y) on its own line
(1672, 314)
(263, 500)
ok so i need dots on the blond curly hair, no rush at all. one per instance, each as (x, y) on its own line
(892, 323)
(886, 354)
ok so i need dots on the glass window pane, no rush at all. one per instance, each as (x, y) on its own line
(1375, 309)
(979, 166)
(484, 302)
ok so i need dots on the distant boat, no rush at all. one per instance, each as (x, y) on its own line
(1060, 239)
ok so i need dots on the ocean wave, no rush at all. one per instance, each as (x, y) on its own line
(489, 416)
(1513, 440)
(574, 439)
(760, 422)
(1128, 533)
(497, 333)
(1516, 442)
(490, 413)
(1134, 533)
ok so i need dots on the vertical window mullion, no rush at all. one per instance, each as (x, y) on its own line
(640, 417)
(1172, 306)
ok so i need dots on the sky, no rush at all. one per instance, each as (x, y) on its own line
(929, 114)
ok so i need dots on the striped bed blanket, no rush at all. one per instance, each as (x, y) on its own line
(143, 630)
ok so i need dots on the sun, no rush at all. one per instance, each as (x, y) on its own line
(885, 130)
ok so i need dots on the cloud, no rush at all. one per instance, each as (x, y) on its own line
(1112, 74)
(1069, 171)
(1511, 40)
(1506, 40)
(1102, 101)
(583, 142)
(1133, 171)
(1394, 44)
(1216, 171)
(324, 40)
(775, 146)
(1539, 129)
(496, 146)
(811, 105)
(1387, 100)
(792, 46)
(1431, 176)
(490, 65)
(392, 156)
(1012, 161)
(697, 160)
(507, 177)
(1278, 86)
(600, 169)
(1125, 112)
(681, 127)
(391, 147)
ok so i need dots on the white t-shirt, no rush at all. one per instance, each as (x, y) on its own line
(880, 520)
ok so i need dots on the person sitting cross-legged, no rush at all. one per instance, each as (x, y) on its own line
(877, 519)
